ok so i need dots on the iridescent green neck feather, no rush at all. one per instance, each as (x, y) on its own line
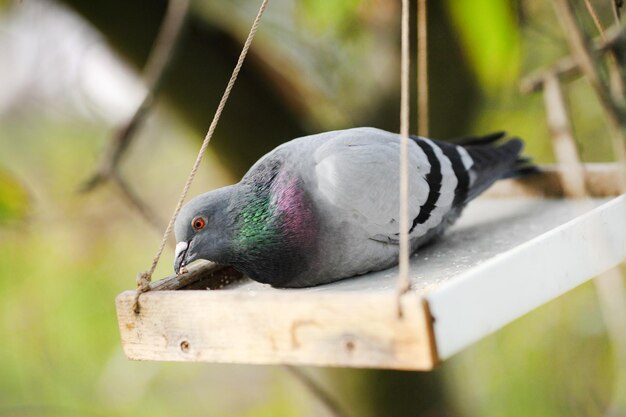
(257, 222)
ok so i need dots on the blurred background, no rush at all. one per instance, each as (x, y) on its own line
(70, 76)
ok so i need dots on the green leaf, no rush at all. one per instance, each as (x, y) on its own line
(323, 15)
(490, 35)
(14, 201)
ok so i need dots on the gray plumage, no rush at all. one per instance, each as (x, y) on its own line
(325, 207)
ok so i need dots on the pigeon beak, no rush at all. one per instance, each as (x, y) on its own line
(180, 255)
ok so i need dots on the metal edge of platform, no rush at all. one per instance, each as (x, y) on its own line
(487, 297)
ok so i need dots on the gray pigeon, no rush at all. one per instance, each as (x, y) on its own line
(325, 207)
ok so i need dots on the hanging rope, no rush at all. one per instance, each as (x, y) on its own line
(404, 252)
(422, 69)
(144, 278)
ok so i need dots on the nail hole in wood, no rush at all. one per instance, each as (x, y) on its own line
(184, 346)
(350, 345)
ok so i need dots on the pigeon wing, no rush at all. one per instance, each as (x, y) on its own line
(357, 172)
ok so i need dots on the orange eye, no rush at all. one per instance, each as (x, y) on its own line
(198, 223)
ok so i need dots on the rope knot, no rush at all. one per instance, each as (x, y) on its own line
(143, 285)
(143, 281)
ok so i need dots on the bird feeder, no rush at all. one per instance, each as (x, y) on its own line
(514, 249)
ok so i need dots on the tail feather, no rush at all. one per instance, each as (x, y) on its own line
(479, 140)
(494, 161)
(524, 171)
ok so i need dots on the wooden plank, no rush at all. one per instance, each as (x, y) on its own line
(201, 275)
(334, 329)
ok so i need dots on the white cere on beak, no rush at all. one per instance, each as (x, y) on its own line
(180, 246)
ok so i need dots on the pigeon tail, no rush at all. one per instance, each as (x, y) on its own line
(493, 161)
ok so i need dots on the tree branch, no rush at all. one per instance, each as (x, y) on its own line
(568, 67)
(583, 57)
(133, 200)
(317, 391)
(155, 68)
(572, 174)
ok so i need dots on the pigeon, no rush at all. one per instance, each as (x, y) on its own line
(325, 207)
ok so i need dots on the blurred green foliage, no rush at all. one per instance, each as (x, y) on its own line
(13, 198)
(59, 275)
(556, 361)
(327, 15)
(491, 39)
(60, 270)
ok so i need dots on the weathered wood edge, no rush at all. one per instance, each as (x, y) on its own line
(430, 327)
(346, 330)
(194, 274)
(602, 179)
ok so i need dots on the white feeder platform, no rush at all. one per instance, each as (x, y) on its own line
(505, 257)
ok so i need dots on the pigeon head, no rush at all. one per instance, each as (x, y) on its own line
(264, 226)
(204, 228)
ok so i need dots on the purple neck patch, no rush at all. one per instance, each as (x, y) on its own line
(295, 209)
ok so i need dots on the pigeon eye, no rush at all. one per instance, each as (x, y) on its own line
(198, 223)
